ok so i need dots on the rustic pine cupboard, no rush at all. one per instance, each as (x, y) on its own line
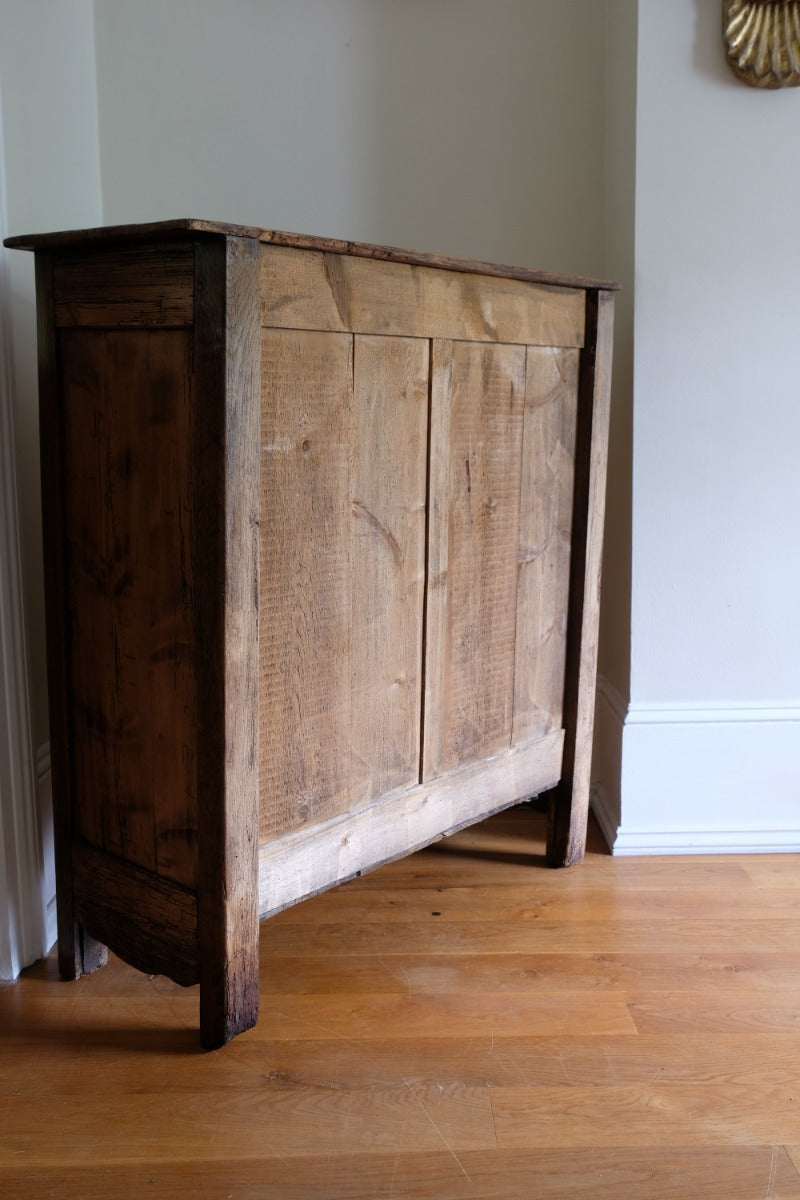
(323, 528)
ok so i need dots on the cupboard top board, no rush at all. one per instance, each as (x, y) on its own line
(107, 235)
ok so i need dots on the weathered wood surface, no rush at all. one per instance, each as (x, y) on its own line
(151, 920)
(477, 409)
(180, 228)
(312, 860)
(226, 397)
(545, 538)
(569, 810)
(71, 939)
(308, 289)
(388, 490)
(344, 436)
(128, 511)
(397, 457)
(149, 285)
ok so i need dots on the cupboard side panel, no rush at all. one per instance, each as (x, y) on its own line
(569, 808)
(545, 530)
(390, 428)
(128, 512)
(475, 462)
(306, 577)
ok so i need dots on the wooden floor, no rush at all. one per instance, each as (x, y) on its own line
(465, 1023)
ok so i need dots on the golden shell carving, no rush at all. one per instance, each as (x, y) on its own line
(762, 38)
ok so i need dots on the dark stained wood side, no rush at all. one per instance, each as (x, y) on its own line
(149, 285)
(226, 453)
(569, 802)
(126, 421)
(151, 922)
(78, 953)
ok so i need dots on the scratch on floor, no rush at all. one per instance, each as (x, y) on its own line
(447, 1145)
(773, 1170)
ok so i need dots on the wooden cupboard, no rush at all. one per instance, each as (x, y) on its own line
(323, 529)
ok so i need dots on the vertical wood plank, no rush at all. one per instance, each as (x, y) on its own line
(306, 577)
(476, 437)
(545, 528)
(72, 961)
(225, 551)
(569, 804)
(388, 488)
(126, 417)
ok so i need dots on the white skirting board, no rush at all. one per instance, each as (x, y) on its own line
(676, 779)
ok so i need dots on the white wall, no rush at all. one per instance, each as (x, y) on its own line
(711, 751)
(49, 169)
(455, 126)
(620, 224)
(52, 180)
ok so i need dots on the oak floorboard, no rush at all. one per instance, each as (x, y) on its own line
(730, 1173)
(630, 1042)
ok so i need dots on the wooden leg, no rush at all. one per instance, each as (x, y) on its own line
(569, 804)
(228, 999)
(566, 826)
(79, 954)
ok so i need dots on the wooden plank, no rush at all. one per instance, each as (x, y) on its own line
(226, 559)
(313, 859)
(700, 1115)
(545, 530)
(128, 493)
(151, 285)
(553, 972)
(465, 1014)
(545, 935)
(478, 395)
(78, 953)
(388, 489)
(569, 809)
(152, 920)
(162, 230)
(306, 578)
(309, 289)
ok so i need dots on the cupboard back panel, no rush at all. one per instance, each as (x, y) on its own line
(343, 472)
(309, 289)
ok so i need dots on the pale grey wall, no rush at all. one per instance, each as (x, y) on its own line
(456, 126)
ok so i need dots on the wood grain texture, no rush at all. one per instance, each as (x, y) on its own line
(149, 285)
(309, 289)
(227, 395)
(730, 1173)
(180, 228)
(545, 538)
(342, 528)
(587, 1070)
(569, 808)
(306, 584)
(477, 406)
(71, 938)
(128, 499)
(394, 436)
(360, 839)
(388, 490)
(153, 920)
